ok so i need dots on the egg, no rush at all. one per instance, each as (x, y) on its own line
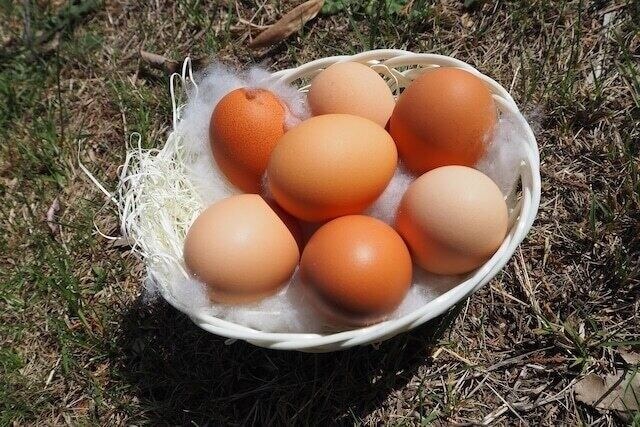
(357, 270)
(245, 126)
(351, 88)
(292, 223)
(453, 218)
(331, 165)
(240, 249)
(444, 117)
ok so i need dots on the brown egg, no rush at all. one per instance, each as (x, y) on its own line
(331, 165)
(445, 117)
(245, 126)
(292, 223)
(351, 88)
(453, 218)
(357, 268)
(240, 249)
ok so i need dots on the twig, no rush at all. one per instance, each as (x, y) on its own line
(169, 65)
(28, 36)
(493, 415)
(51, 216)
(252, 25)
(511, 408)
(159, 62)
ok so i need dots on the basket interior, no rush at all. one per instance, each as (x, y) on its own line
(398, 69)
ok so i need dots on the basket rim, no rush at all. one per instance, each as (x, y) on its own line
(526, 212)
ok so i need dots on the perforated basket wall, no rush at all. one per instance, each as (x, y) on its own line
(399, 68)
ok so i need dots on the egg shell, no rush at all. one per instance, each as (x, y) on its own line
(453, 218)
(357, 268)
(292, 223)
(331, 165)
(351, 88)
(245, 127)
(444, 117)
(240, 249)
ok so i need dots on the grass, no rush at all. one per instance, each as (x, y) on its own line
(77, 346)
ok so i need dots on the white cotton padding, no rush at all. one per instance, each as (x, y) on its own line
(289, 310)
(385, 207)
(190, 293)
(150, 291)
(425, 287)
(501, 163)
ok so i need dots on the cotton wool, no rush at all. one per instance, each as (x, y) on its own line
(502, 161)
(289, 310)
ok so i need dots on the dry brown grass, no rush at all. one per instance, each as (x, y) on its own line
(77, 347)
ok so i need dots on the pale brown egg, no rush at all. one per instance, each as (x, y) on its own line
(351, 88)
(357, 270)
(240, 249)
(245, 126)
(453, 218)
(444, 117)
(331, 165)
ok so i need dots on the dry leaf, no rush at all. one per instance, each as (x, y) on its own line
(51, 215)
(288, 24)
(630, 357)
(466, 20)
(619, 391)
(122, 242)
(160, 62)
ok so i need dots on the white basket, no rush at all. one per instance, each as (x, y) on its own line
(400, 67)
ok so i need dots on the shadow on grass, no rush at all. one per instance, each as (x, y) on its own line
(184, 375)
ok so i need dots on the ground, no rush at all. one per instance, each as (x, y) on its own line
(77, 346)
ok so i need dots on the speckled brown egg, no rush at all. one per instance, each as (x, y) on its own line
(453, 218)
(240, 249)
(444, 117)
(357, 269)
(331, 165)
(245, 126)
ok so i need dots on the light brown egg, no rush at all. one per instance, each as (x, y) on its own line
(357, 270)
(245, 126)
(445, 117)
(331, 165)
(351, 88)
(453, 218)
(240, 249)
